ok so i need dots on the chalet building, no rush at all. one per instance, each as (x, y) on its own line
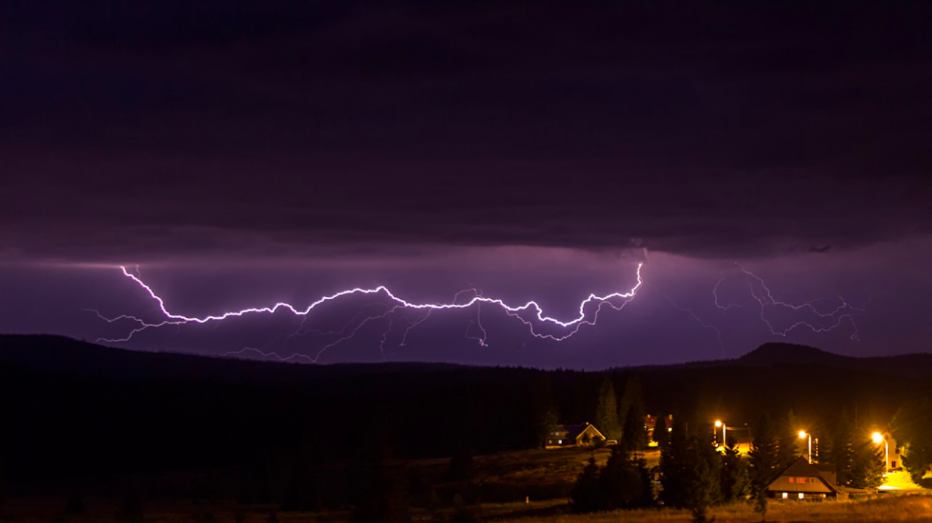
(573, 435)
(804, 480)
(894, 461)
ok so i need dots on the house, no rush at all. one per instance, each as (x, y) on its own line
(892, 456)
(572, 435)
(804, 480)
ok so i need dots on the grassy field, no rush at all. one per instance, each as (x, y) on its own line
(913, 507)
(520, 487)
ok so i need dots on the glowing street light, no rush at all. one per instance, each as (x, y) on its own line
(878, 439)
(803, 435)
(720, 423)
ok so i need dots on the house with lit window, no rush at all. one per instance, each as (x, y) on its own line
(573, 435)
(804, 480)
(892, 457)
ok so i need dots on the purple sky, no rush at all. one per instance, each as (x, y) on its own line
(246, 155)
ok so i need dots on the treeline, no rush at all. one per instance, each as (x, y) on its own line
(106, 415)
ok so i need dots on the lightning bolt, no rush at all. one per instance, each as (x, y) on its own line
(530, 314)
(700, 321)
(843, 311)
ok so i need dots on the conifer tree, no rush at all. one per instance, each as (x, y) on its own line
(674, 466)
(606, 411)
(704, 476)
(632, 414)
(868, 468)
(764, 459)
(788, 441)
(545, 426)
(660, 435)
(736, 483)
(621, 481)
(586, 495)
(843, 454)
(634, 436)
(912, 428)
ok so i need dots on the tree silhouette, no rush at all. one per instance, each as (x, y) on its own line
(842, 449)
(545, 426)
(622, 482)
(606, 411)
(764, 459)
(788, 440)
(660, 435)
(736, 483)
(674, 466)
(586, 495)
(703, 479)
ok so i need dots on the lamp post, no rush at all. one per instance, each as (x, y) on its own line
(878, 439)
(720, 423)
(803, 435)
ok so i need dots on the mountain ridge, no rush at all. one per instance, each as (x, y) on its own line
(64, 355)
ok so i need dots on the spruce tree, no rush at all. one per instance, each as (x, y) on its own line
(632, 414)
(674, 466)
(764, 459)
(736, 482)
(842, 455)
(867, 471)
(788, 441)
(760, 504)
(606, 411)
(634, 436)
(660, 435)
(621, 481)
(704, 476)
(586, 495)
(912, 428)
(545, 426)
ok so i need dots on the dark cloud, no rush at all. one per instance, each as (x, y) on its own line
(165, 129)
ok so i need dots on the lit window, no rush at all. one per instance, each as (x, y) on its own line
(785, 495)
(800, 495)
(792, 480)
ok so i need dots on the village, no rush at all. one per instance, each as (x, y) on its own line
(804, 470)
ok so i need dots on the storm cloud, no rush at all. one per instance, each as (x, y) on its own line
(168, 130)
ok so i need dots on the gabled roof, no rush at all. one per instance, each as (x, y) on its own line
(573, 431)
(802, 468)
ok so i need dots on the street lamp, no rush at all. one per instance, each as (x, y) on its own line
(803, 435)
(720, 423)
(878, 439)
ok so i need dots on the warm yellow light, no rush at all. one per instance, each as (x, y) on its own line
(802, 434)
(718, 423)
(877, 437)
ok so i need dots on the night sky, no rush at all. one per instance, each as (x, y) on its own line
(245, 154)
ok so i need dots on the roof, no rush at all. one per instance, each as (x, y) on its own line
(573, 431)
(802, 468)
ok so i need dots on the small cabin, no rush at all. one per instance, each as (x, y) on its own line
(804, 480)
(574, 435)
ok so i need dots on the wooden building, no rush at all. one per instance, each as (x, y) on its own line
(804, 480)
(572, 435)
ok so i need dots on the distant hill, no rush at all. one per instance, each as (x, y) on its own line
(771, 354)
(786, 354)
